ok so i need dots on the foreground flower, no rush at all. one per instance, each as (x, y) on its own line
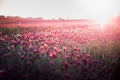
(88, 56)
(1, 73)
(67, 76)
(51, 63)
(65, 66)
(22, 57)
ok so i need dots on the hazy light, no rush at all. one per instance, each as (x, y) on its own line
(100, 10)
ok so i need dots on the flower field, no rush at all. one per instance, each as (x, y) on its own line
(59, 52)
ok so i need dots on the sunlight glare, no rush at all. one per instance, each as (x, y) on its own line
(100, 10)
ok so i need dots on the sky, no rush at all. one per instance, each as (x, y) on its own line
(72, 9)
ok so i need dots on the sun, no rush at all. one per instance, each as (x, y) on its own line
(100, 10)
(103, 22)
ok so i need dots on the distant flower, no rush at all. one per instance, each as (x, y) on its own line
(67, 56)
(90, 63)
(45, 46)
(75, 49)
(42, 48)
(88, 56)
(84, 53)
(65, 49)
(13, 42)
(70, 45)
(30, 41)
(5, 38)
(78, 63)
(55, 49)
(59, 51)
(36, 51)
(77, 56)
(31, 46)
(52, 54)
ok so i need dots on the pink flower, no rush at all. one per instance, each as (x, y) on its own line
(66, 65)
(13, 42)
(75, 49)
(45, 46)
(5, 38)
(0, 34)
(67, 76)
(70, 45)
(77, 56)
(42, 48)
(22, 57)
(78, 63)
(51, 63)
(31, 59)
(67, 56)
(31, 46)
(59, 51)
(8, 55)
(118, 53)
(85, 60)
(30, 41)
(90, 63)
(85, 70)
(65, 49)
(28, 63)
(88, 56)
(52, 54)
(36, 51)
(55, 49)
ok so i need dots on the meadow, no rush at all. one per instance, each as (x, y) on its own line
(34, 49)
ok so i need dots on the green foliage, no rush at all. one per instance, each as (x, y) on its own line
(9, 31)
